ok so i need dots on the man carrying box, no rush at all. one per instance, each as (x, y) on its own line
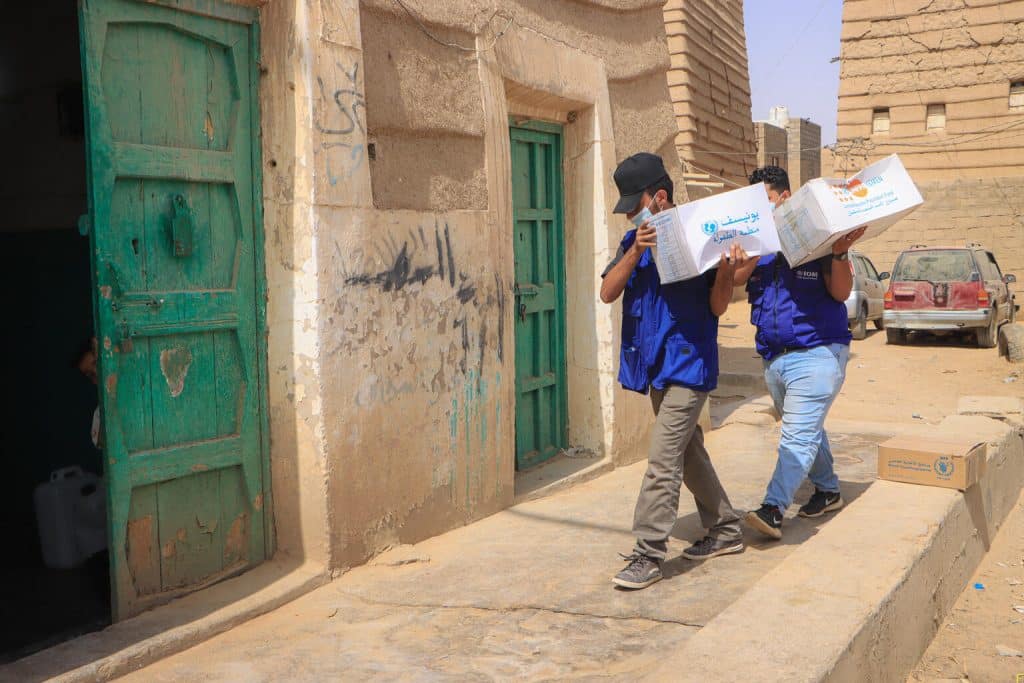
(804, 338)
(670, 347)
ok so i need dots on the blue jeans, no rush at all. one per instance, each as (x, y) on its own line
(803, 384)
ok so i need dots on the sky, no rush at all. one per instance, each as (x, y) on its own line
(789, 45)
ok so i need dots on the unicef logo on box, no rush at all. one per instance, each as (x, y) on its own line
(944, 467)
(710, 228)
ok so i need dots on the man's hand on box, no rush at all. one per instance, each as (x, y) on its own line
(845, 243)
(736, 259)
(646, 237)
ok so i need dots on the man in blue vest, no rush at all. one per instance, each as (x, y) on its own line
(804, 338)
(670, 348)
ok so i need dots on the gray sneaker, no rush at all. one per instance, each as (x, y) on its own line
(641, 572)
(709, 547)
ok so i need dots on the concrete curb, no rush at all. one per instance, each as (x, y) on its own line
(586, 474)
(172, 628)
(862, 599)
(753, 382)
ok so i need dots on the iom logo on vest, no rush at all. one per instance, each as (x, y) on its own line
(944, 467)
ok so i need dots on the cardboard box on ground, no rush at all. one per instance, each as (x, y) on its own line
(691, 238)
(933, 462)
(823, 210)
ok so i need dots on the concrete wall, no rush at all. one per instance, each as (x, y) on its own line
(710, 86)
(388, 221)
(803, 144)
(772, 148)
(904, 56)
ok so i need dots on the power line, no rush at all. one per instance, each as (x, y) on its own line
(423, 28)
(716, 177)
(798, 38)
(954, 139)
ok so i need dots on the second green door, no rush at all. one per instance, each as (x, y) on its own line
(541, 396)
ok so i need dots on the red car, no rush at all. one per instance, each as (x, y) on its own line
(948, 289)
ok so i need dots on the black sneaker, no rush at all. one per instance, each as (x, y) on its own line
(822, 502)
(767, 520)
(709, 547)
(641, 572)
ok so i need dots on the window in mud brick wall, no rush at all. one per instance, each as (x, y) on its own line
(1017, 95)
(880, 121)
(936, 117)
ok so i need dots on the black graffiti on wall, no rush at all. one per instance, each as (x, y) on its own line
(418, 259)
(400, 271)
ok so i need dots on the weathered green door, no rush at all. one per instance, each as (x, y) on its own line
(175, 222)
(541, 403)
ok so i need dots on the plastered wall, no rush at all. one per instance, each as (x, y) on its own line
(388, 220)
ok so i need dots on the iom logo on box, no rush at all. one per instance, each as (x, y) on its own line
(944, 467)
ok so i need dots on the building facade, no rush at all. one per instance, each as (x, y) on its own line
(803, 142)
(772, 148)
(710, 87)
(344, 259)
(943, 87)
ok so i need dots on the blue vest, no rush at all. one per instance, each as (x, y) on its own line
(669, 335)
(792, 309)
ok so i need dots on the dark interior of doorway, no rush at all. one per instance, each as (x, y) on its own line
(48, 405)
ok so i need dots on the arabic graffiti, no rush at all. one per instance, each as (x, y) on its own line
(463, 319)
(344, 130)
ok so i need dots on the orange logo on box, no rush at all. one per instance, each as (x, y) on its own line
(857, 189)
(849, 193)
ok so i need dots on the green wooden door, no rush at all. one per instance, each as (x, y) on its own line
(175, 222)
(541, 398)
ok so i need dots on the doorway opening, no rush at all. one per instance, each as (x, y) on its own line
(54, 580)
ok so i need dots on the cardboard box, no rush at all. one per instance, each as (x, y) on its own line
(823, 210)
(933, 462)
(692, 237)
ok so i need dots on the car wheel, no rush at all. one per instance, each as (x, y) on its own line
(859, 328)
(879, 323)
(1011, 339)
(987, 335)
(895, 336)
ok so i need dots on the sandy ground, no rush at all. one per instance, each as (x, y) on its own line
(921, 380)
(967, 645)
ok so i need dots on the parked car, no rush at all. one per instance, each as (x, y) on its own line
(866, 302)
(948, 289)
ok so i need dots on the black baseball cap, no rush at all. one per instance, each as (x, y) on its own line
(633, 176)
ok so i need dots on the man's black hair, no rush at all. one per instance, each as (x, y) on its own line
(664, 184)
(776, 178)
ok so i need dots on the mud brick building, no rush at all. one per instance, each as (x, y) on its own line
(942, 85)
(710, 87)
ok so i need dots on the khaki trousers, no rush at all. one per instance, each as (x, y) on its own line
(677, 456)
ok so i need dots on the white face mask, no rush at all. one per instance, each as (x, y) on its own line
(644, 215)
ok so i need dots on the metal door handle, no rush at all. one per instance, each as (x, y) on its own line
(182, 228)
